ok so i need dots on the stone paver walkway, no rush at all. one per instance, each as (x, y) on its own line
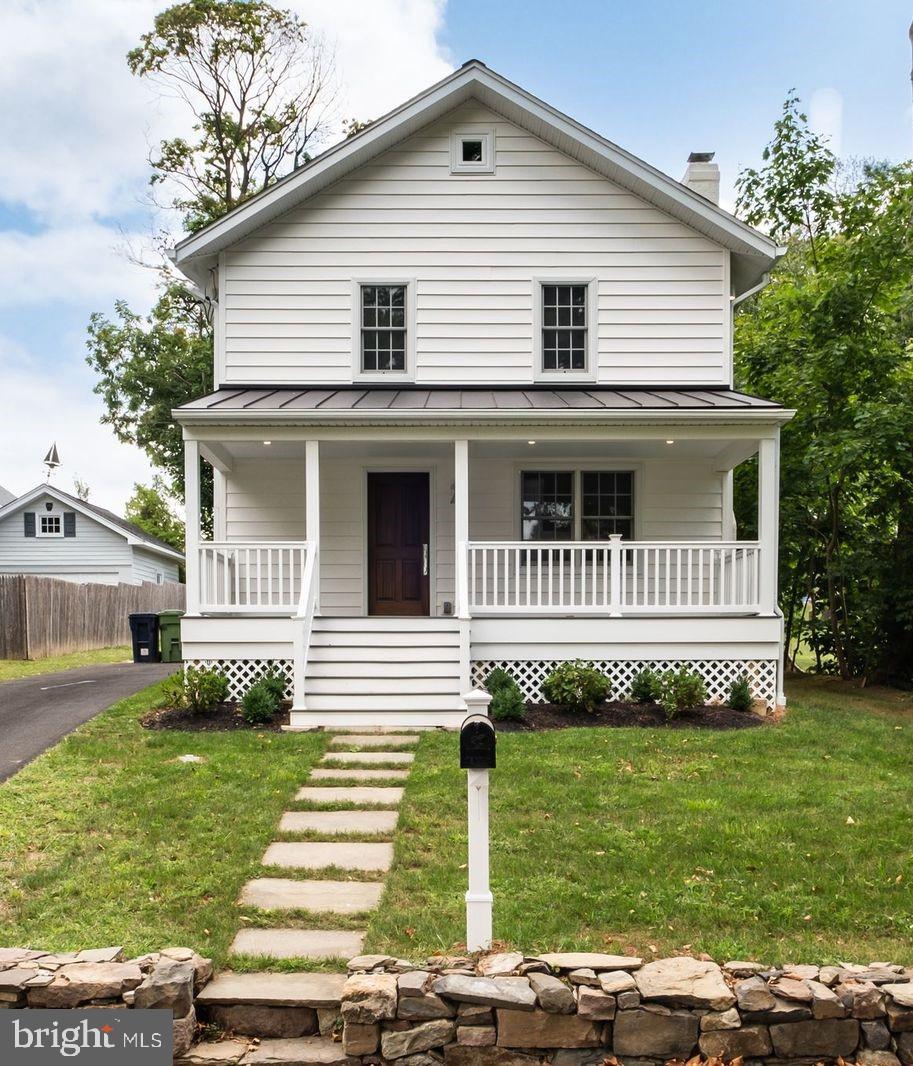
(360, 812)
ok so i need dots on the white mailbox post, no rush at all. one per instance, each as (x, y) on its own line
(477, 757)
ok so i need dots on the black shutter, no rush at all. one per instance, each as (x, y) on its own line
(69, 524)
(29, 517)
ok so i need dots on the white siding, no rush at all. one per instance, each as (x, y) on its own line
(265, 500)
(148, 565)
(96, 553)
(472, 246)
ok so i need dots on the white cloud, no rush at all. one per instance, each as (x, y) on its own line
(39, 408)
(825, 116)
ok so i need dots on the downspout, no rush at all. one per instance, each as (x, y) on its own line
(765, 280)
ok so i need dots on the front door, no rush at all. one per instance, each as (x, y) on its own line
(398, 544)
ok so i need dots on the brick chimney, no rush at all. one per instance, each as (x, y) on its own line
(702, 176)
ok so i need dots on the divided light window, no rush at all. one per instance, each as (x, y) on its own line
(564, 326)
(49, 525)
(560, 505)
(383, 327)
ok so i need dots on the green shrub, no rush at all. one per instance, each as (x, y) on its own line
(740, 698)
(260, 703)
(578, 686)
(198, 690)
(680, 690)
(276, 681)
(645, 686)
(507, 700)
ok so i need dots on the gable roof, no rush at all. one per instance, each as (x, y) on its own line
(6, 496)
(135, 535)
(752, 252)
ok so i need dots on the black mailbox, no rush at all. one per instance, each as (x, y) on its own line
(477, 743)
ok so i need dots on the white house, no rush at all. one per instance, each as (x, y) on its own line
(474, 407)
(53, 534)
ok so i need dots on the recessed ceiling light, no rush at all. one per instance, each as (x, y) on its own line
(530, 442)
(670, 442)
(270, 442)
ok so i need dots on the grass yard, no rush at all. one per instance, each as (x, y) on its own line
(792, 843)
(107, 839)
(13, 668)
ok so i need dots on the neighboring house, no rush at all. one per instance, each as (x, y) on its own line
(6, 496)
(53, 534)
(474, 407)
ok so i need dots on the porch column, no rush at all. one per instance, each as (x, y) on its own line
(768, 520)
(192, 525)
(312, 508)
(461, 540)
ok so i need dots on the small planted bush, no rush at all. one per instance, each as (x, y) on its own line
(276, 682)
(579, 686)
(260, 703)
(507, 700)
(198, 690)
(645, 686)
(680, 690)
(740, 698)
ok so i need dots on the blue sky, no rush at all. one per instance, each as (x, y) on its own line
(660, 79)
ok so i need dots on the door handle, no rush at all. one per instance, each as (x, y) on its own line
(424, 560)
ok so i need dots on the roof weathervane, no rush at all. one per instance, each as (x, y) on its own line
(51, 460)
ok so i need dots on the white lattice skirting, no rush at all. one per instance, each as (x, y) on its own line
(718, 674)
(242, 673)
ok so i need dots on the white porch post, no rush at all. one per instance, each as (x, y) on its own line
(312, 506)
(461, 541)
(768, 520)
(192, 525)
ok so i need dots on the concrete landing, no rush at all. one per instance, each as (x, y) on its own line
(317, 897)
(366, 823)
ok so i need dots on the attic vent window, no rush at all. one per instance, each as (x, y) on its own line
(472, 151)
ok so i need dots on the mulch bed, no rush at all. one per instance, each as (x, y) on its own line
(226, 718)
(542, 716)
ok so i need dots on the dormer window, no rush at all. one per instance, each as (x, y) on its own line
(472, 151)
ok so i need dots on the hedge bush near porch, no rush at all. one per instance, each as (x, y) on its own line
(789, 843)
(108, 838)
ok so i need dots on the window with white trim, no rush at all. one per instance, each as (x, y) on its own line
(472, 151)
(576, 505)
(564, 327)
(50, 525)
(383, 328)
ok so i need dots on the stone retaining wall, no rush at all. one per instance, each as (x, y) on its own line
(103, 977)
(581, 1008)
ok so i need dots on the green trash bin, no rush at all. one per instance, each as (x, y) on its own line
(170, 635)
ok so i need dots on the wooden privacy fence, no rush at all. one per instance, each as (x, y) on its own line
(46, 616)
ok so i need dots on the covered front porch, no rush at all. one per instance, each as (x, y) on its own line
(624, 534)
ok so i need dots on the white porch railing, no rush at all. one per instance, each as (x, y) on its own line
(613, 577)
(254, 578)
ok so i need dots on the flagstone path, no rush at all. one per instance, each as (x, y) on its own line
(350, 796)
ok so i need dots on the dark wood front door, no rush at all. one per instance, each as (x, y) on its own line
(398, 544)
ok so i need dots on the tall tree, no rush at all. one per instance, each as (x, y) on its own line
(827, 337)
(258, 88)
(151, 507)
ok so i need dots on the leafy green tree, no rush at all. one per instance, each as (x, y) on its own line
(829, 337)
(258, 87)
(151, 507)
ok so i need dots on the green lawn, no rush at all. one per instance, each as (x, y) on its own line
(13, 668)
(784, 844)
(107, 839)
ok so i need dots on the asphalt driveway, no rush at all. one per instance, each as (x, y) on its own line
(35, 712)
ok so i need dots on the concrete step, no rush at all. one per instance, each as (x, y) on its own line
(320, 855)
(275, 989)
(384, 797)
(358, 775)
(390, 741)
(318, 897)
(300, 1051)
(318, 944)
(365, 758)
(365, 823)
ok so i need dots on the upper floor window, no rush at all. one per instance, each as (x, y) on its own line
(383, 328)
(49, 525)
(472, 151)
(564, 327)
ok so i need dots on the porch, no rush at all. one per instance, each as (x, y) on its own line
(295, 558)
